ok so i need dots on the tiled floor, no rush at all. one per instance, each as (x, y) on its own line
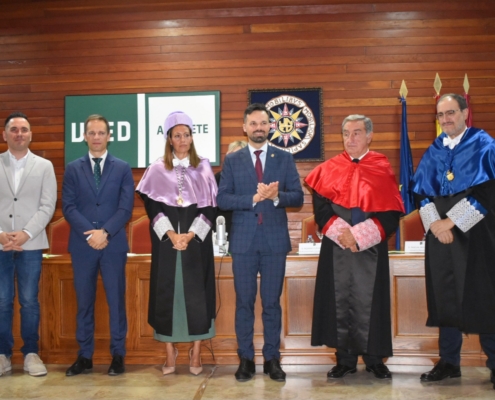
(303, 382)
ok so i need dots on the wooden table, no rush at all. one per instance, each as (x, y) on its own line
(413, 343)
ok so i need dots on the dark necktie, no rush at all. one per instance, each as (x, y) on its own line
(259, 173)
(357, 215)
(258, 166)
(97, 171)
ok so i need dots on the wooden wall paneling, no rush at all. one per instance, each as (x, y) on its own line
(50, 49)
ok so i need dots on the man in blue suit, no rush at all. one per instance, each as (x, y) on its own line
(258, 183)
(97, 201)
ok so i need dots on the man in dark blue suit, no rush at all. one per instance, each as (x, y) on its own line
(258, 183)
(97, 201)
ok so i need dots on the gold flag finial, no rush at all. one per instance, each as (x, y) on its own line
(437, 84)
(403, 89)
(466, 84)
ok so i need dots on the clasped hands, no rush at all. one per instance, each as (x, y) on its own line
(180, 240)
(347, 240)
(265, 192)
(13, 240)
(98, 239)
(442, 229)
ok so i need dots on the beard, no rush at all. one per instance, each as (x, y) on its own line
(258, 139)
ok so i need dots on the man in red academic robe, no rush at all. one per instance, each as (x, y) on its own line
(357, 205)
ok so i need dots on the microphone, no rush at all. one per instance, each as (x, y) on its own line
(221, 233)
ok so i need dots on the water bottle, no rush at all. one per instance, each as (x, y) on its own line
(310, 239)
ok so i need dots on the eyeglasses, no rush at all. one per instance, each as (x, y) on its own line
(448, 113)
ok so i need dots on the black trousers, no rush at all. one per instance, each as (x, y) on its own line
(350, 360)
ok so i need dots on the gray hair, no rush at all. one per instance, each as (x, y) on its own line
(357, 117)
(234, 145)
(461, 101)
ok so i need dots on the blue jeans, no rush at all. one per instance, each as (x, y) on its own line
(26, 265)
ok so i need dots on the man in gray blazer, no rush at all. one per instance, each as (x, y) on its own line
(28, 193)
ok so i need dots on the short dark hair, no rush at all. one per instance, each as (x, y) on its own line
(96, 117)
(457, 97)
(16, 114)
(255, 107)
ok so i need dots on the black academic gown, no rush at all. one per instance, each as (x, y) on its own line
(460, 277)
(352, 291)
(198, 268)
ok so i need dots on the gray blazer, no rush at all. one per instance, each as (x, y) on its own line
(33, 205)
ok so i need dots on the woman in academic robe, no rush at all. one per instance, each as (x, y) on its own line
(179, 192)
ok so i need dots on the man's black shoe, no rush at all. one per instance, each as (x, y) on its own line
(339, 371)
(246, 370)
(492, 377)
(274, 369)
(379, 370)
(82, 365)
(117, 366)
(441, 371)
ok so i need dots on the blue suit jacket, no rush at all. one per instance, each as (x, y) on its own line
(237, 188)
(86, 208)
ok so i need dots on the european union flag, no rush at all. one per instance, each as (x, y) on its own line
(406, 168)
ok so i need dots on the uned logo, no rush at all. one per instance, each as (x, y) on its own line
(123, 131)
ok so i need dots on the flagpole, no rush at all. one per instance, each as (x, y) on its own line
(406, 162)
(437, 85)
(469, 120)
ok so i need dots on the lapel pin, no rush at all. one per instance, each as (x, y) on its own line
(273, 155)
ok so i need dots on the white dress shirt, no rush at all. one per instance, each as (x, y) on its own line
(102, 162)
(264, 150)
(447, 141)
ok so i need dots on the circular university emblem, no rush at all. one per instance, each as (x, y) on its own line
(292, 123)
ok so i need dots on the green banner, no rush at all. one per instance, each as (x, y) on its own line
(136, 124)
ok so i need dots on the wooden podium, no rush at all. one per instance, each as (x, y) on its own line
(413, 343)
